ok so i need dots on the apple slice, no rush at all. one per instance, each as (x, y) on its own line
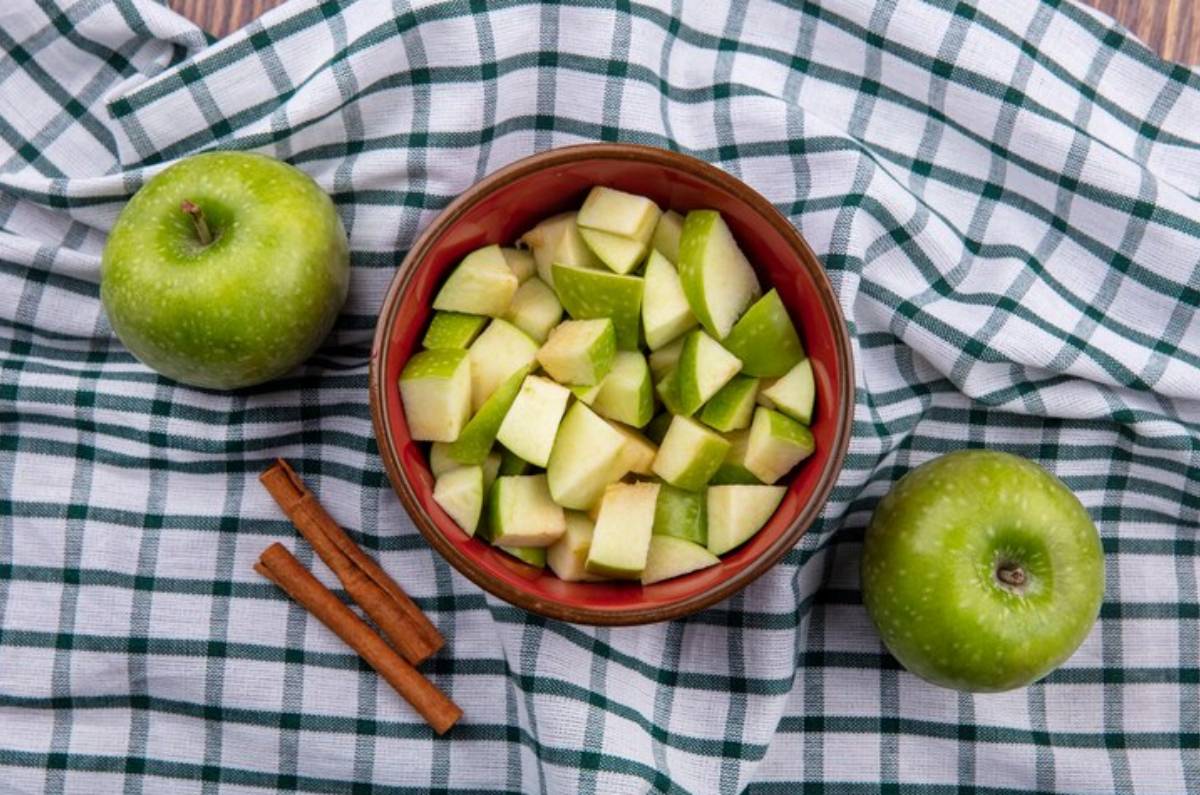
(765, 339)
(435, 387)
(793, 394)
(513, 464)
(482, 284)
(491, 469)
(639, 452)
(777, 443)
(666, 235)
(534, 309)
(670, 557)
(680, 513)
(567, 557)
(475, 441)
(453, 330)
(733, 406)
(501, 350)
(737, 512)
(440, 460)
(620, 254)
(733, 468)
(689, 454)
(532, 421)
(586, 394)
(656, 429)
(665, 359)
(717, 278)
(621, 537)
(460, 493)
(522, 514)
(626, 393)
(619, 213)
(579, 352)
(668, 392)
(665, 310)
(521, 263)
(557, 239)
(588, 454)
(704, 367)
(587, 294)
(534, 556)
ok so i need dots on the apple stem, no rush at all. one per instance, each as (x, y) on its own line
(198, 221)
(1011, 574)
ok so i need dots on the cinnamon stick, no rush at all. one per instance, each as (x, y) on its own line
(400, 620)
(281, 567)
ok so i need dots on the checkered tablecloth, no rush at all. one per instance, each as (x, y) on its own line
(1006, 196)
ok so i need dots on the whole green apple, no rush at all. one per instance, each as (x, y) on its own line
(982, 571)
(227, 269)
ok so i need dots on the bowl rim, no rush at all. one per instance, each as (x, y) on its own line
(391, 459)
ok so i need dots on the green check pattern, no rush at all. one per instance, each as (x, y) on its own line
(1006, 197)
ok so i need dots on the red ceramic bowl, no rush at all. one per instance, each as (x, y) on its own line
(497, 210)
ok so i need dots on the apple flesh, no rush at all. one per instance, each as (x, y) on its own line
(982, 571)
(225, 270)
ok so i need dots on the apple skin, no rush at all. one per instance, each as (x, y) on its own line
(245, 308)
(931, 568)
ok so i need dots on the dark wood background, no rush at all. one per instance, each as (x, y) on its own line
(1171, 27)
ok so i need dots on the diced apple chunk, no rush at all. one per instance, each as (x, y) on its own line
(579, 352)
(733, 468)
(716, 277)
(765, 339)
(522, 513)
(737, 512)
(732, 407)
(557, 239)
(704, 367)
(666, 235)
(665, 311)
(534, 309)
(680, 513)
(453, 330)
(567, 557)
(689, 454)
(588, 454)
(626, 393)
(435, 388)
(588, 294)
(670, 557)
(793, 394)
(665, 359)
(501, 350)
(521, 263)
(475, 441)
(440, 460)
(619, 213)
(533, 556)
(777, 443)
(532, 421)
(459, 492)
(621, 538)
(639, 451)
(620, 254)
(482, 284)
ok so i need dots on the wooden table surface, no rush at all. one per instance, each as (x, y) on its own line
(1171, 27)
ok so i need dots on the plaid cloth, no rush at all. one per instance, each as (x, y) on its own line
(1006, 197)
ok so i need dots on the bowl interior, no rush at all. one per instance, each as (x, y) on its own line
(515, 203)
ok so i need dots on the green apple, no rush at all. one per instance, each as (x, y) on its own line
(620, 254)
(982, 571)
(482, 284)
(689, 454)
(501, 350)
(621, 538)
(716, 276)
(588, 454)
(704, 367)
(587, 293)
(567, 557)
(733, 469)
(765, 339)
(619, 213)
(579, 352)
(534, 556)
(665, 359)
(475, 442)
(794, 393)
(521, 513)
(225, 270)
(521, 263)
(435, 388)
(453, 330)
(776, 444)
(531, 423)
(665, 310)
(639, 452)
